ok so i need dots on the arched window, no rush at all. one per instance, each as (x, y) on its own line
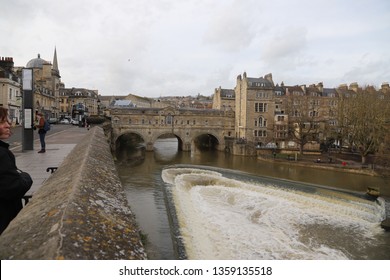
(261, 122)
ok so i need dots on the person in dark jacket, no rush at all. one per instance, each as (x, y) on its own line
(14, 183)
(41, 131)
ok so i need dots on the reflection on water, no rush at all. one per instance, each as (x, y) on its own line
(145, 192)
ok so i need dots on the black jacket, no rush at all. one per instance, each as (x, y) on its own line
(13, 186)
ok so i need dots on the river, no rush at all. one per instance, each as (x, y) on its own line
(247, 214)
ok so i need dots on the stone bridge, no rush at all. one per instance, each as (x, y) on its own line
(193, 128)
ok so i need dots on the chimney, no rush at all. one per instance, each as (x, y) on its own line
(354, 87)
(320, 87)
(343, 86)
(268, 77)
(7, 63)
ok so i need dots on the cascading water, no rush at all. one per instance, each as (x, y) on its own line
(221, 217)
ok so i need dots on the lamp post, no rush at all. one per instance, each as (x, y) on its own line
(27, 101)
(98, 107)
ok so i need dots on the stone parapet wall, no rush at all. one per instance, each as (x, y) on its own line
(81, 212)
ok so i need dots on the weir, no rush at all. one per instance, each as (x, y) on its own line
(223, 215)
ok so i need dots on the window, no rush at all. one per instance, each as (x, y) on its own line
(332, 122)
(281, 127)
(315, 102)
(260, 133)
(261, 95)
(261, 122)
(169, 119)
(261, 107)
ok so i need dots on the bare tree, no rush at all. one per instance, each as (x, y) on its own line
(304, 117)
(343, 127)
(368, 113)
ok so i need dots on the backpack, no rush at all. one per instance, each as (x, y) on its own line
(46, 126)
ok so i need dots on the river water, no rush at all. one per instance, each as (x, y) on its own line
(211, 205)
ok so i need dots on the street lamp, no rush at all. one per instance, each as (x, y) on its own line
(98, 107)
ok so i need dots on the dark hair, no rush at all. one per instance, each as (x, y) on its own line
(3, 114)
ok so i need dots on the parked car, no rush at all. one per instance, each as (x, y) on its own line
(64, 121)
(74, 122)
(53, 120)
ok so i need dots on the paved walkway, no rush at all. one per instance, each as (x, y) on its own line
(58, 146)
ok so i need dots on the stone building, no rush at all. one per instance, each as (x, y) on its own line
(286, 117)
(50, 96)
(10, 92)
(224, 99)
(255, 109)
(87, 99)
(47, 85)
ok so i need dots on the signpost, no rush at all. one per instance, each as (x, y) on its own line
(28, 132)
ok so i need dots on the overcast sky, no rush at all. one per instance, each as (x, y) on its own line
(184, 47)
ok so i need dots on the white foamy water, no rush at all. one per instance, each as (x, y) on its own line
(222, 218)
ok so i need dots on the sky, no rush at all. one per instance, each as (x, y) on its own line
(156, 48)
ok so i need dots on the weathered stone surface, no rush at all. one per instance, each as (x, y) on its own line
(386, 224)
(81, 212)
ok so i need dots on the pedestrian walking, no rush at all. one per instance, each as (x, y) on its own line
(41, 131)
(14, 183)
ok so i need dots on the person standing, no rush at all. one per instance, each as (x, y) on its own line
(14, 183)
(41, 131)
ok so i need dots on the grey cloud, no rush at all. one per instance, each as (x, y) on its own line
(231, 28)
(369, 72)
(287, 44)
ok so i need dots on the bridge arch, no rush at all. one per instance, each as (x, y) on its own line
(128, 132)
(205, 140)
(127, 142)
(176, 135)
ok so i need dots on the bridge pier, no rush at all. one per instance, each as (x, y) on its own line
(149, 147)
(187, 147)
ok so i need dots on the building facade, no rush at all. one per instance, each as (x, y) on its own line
(295, 117)
(80, 98)
(10, 90)
(50, 96)
(47, 85)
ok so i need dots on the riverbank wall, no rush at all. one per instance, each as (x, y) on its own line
(80, 212)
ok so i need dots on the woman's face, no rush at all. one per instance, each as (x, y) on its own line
(5, 129)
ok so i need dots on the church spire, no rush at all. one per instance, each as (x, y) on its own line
(55, 62)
